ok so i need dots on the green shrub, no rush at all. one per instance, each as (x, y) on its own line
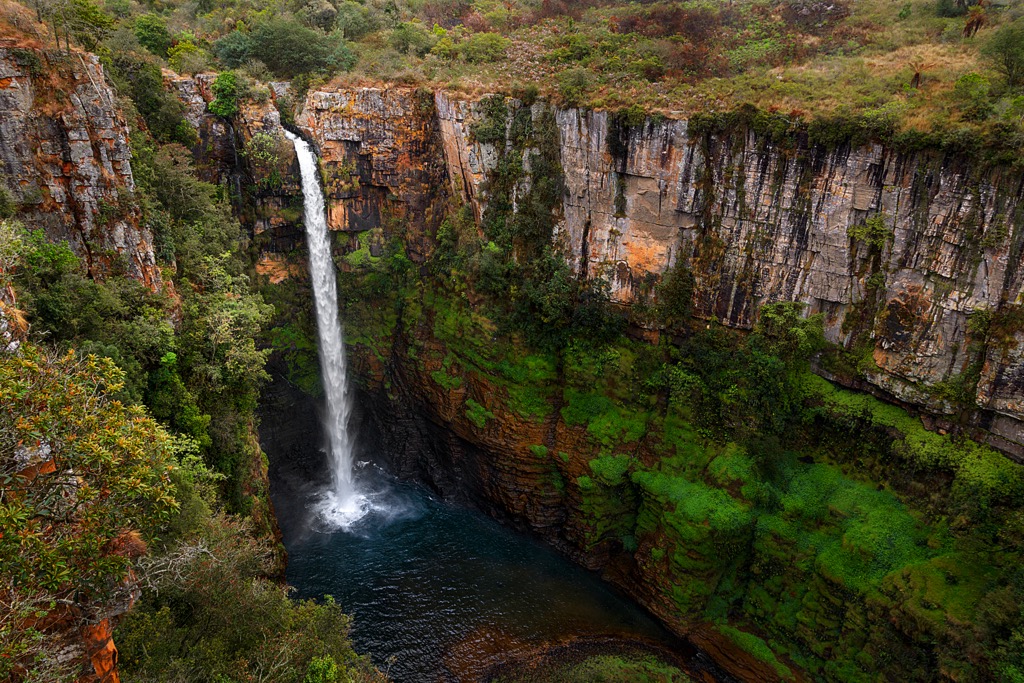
(8, 204)
(1006, 51)
(484, 47)
(574, 85)
(225, 91)
(477, 414)
(353, 20)
(873, 232)
(185, 57)
(290, 49)
(972, 93)
(151, 32)
(412, 37)
(140, 78)
(234, 49)
(215, 616)
(950, 8)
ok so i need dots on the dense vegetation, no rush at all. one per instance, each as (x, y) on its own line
(949, 66)
(128, 450)
(814, 526)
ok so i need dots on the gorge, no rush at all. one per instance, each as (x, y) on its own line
(759, 372)
(534, 439)
(505, 428)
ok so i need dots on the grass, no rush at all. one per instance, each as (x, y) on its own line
(857, 57)
(758, 648)
(603, 668)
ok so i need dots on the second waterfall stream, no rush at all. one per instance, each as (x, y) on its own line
(342, 504)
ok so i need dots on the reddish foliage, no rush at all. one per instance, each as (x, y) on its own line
(476, 22)
(815, 17)
(698, 25)
(551, 9)
(690, 61)
(446, 13)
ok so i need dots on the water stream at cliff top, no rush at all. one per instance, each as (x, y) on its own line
(341, 504)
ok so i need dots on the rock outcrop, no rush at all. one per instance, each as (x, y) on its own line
(65, 159)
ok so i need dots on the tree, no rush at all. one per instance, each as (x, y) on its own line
(214, 616)
(788, 335)
(675, 297)
(484, 47)
(86, 480)
(320, 14)
(289, 48)
(412, 37)
(353, 20)
(151, 32)
(1006, 50)
(233, 49)
(972, 93)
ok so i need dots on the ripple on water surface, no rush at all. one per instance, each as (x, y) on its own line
(440, 592)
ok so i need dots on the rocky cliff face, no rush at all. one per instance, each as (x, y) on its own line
(912, 259)
(65, 160)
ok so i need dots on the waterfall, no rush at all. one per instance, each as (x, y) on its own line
(342, 504)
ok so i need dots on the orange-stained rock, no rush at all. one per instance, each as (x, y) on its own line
(98, 641)
(277, 269)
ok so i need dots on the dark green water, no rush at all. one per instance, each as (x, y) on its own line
(440, 592)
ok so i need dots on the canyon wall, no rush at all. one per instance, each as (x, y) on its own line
(897, 251)
(65, 161)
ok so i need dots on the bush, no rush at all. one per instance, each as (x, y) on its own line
(573, 85)
(948, 9)
(675, 296)
(234, 49)
(290, 49)
(972, 93)
(186, 58)
(62, 430)
(139, 77)
(320, 14)
(354, 20)
(873, 232)
(412, 37)
(151, 32)
(1006, 50)
(263, 152)
(211, 615)
(8, 204)
(484, 47)
(225, 90)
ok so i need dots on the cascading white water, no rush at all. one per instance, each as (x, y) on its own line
(342, 504)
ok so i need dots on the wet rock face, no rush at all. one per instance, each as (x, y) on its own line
(66, 161)
(381, 160)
